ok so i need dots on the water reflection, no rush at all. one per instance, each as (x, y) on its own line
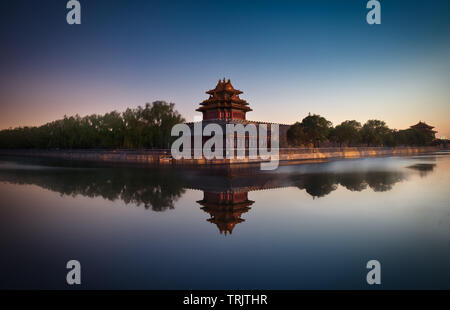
(423, 169)
(320, 185)
(153, 189)
(225, 192)
(226, 205)
(159, 189)
(225, 208)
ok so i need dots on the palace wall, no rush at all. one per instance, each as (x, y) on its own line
(163, 157)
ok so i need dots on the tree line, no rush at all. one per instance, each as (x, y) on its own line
(315, 130)
(150, 127)
(142, 127)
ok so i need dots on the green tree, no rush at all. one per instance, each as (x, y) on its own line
(296, 136)
(347, 132)
(316, 129)
(390, 138)
(374, 132)
(112, 130)
(312, 130)
(135, 128)
(163, 117)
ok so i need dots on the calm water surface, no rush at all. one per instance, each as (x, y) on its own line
(312, 226)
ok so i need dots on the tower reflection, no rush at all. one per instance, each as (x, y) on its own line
(225, 208)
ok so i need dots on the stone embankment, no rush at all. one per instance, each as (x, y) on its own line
(163, 157)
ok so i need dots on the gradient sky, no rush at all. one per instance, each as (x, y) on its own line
(289, 58)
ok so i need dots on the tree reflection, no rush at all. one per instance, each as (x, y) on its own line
(353, 182)
(225, 194)
(321, 184)
(317, 185)
(153, 189)
(382, 181)
(423, 169)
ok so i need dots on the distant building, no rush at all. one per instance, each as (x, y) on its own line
(425, 128)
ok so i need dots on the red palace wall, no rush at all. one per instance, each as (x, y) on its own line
(238, 115)
(211, 115)
(225, 198)
(227, 114)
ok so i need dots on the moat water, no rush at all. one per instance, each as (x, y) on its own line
(312, 226)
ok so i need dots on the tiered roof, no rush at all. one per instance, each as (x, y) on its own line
(225, 208)
(224, 96)
(226, 216)
(423, 126)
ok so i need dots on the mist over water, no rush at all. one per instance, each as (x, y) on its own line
(311, 226)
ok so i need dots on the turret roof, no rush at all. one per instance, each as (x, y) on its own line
(224, 95)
